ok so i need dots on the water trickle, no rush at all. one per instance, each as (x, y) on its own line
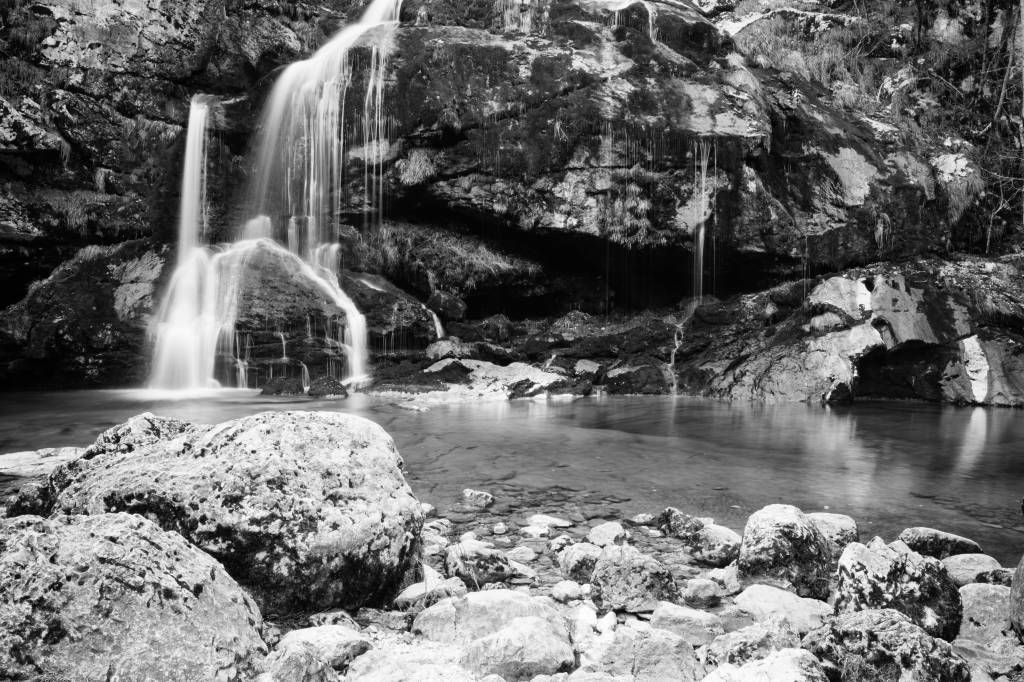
(305, 376)
(701, 161)
(438, 327)
(284, 347)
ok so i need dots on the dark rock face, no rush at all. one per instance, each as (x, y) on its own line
(327, 387)
(263, 495)
(878, 577)
(884, 645)
(283, 386)
(85, 324)
(115, 597)
(781, 544)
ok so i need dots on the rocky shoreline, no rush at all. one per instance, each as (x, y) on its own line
(288, 546)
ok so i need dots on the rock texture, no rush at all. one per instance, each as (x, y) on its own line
(626, 579)
(115, 597)
(304, 508)
(780, 543)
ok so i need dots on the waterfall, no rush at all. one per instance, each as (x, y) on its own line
(284, 347)
(438, 327)
(300, 156)
(305, 377)
(701, 160)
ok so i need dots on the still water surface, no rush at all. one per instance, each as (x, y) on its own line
(889, 465)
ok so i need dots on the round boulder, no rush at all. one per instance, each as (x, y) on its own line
(626, 579)
(306, 509)
(115, 597)
(937, 543)
(781, 544)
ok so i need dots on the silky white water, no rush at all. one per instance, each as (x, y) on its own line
(301, 153)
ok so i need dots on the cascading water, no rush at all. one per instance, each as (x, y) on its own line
(301, 154)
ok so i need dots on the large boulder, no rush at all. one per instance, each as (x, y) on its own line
(524, 648)
(878, 577)
(648, 654)
(626, 579)
(971, 568)
(751, 642)
(781, 544)
(115, 597)
(709, 543)
(765, 602)
(307, 509)
(937, 543)
(884, 645)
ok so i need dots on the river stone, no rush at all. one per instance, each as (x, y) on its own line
(937, 543)
(696, 627)
(524, 648)
(416, 661)
(708, 543)
(422, 594)
(839, 529)
(113, 596)
(646, 654)
(610, 533)
(334, 644)
(625, 579)
(306, 509)
(460, 620)
(298, 662)
(566, 590)
(986, 614)
(968, 568)
(477, 563)
(765, 601)
(784, 665)
(577, 561)
(878, 577)
(883, 645)
(781, 544)
(751, 642)
(701, 592)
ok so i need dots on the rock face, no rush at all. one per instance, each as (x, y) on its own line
(304, 508)
(884, 645)
(115, 597)
(85, 324)
(780, 543)
(878, 577)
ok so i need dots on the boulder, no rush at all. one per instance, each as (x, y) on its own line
(884, 645)
(460, 620)
(1017, 600)
(800, 613)
(696, 627)
(708, 543)
(415, 661)
(701, 592)
(327, 387)
(422, 594)
(297, 662)
(625, 579)
(781, 544)
(307, 509)
(577, 561)
(937, 543)
(751, 642)
(522, 649)
(986, 612)
(647, 654)
(113, 596)
(477, 563)
(283, 386)
(337, 645)
(970, 568)
(839, 529)
(878, 577)
(784, 665)
(566, 590)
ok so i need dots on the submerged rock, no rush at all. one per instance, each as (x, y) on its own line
(304, 508)
(878, 577)
(115, 597)
(884, 645)
(780, 543)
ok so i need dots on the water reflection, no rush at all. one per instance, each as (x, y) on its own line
(890, 465)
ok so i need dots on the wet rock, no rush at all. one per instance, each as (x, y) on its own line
(299, 661)
(327, 387)
(337, 645)
(780, 543)
(884, 645)
(784, 665)
(116, 596)
(636, 380)
(877, 577)
(839, 529)
(448, 307)
(478, 499)
(522, 554)
(696, 627)
(751, 642)
(801, 613)
(625, 579)
(263, 495)
(546, 520)
(460, 620)
(937, 543)
(709, 543)
(477, 563)
(522, 649)
(577, 561)
(968, 568)
(648, 654)
(609, 533)
(283, 386)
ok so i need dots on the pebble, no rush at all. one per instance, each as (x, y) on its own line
(477, 498)
(499, 528)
